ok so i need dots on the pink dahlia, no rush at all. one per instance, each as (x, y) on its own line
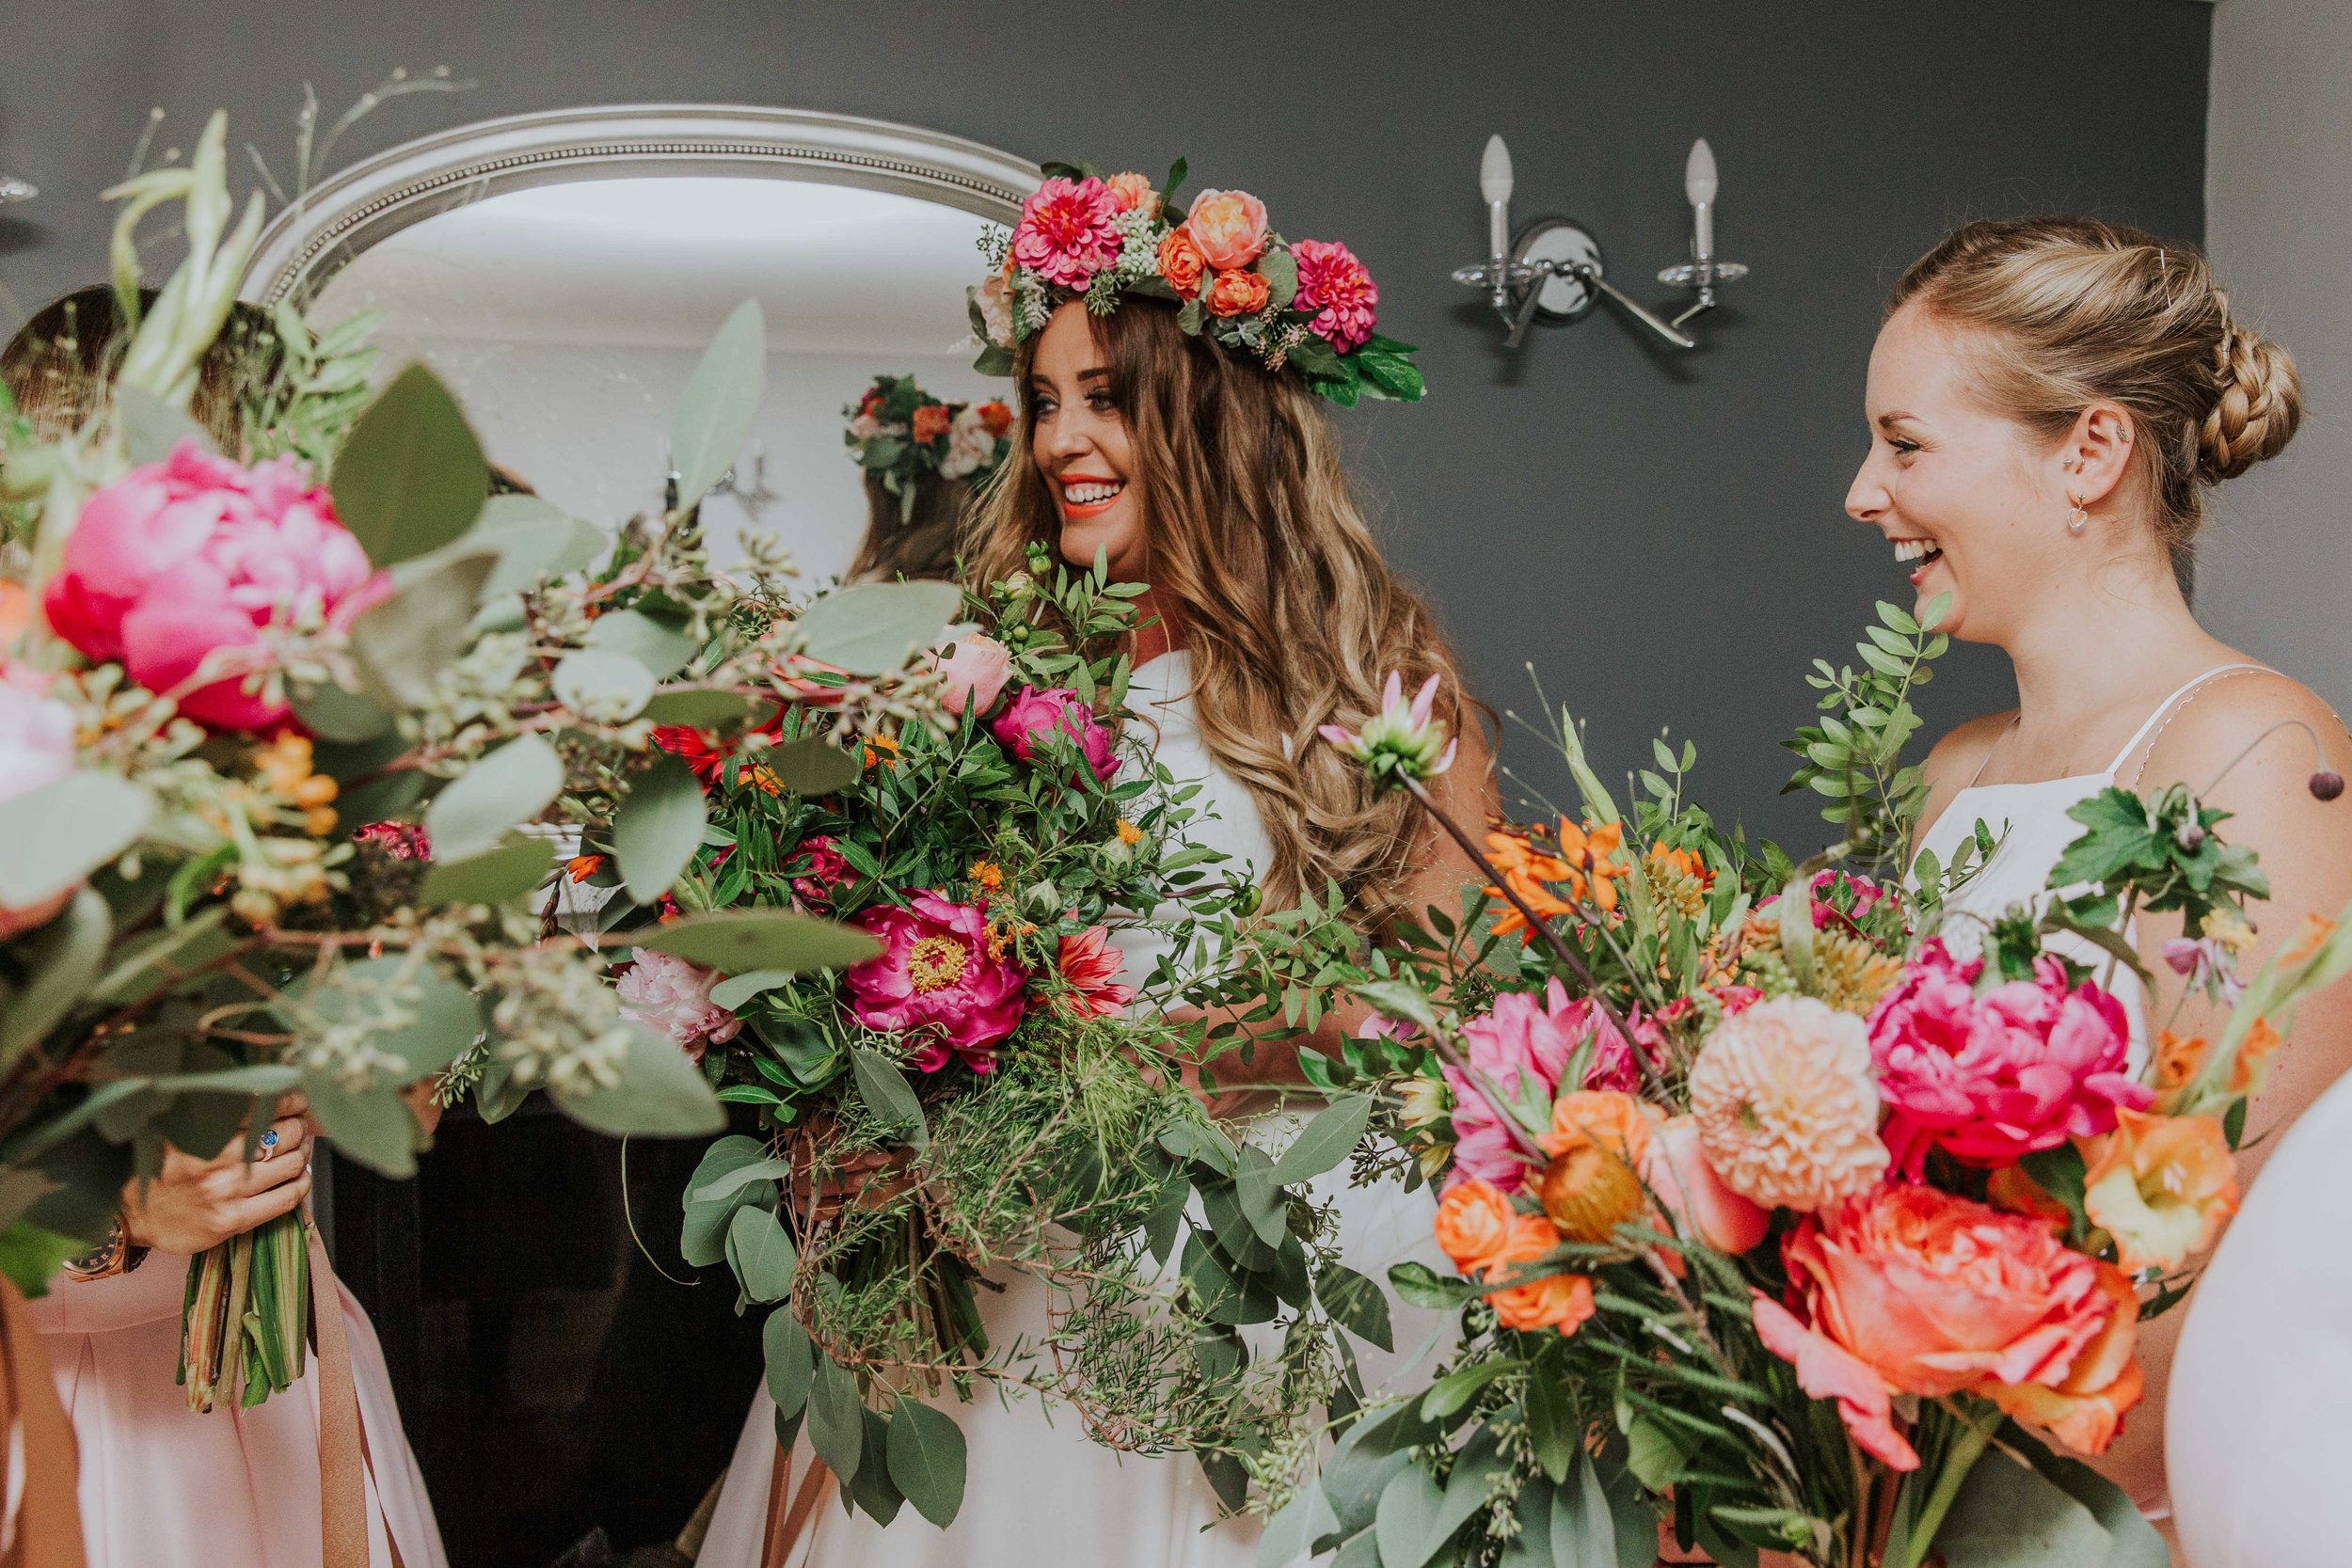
(825, 868)
(179, 560)
(673, 998)
(1068, 231)
(1037, 713)
(1996, 1077)
(1091, 965)
(936, 982)
(1335, 286)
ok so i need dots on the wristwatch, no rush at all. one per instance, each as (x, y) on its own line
(113, 1256)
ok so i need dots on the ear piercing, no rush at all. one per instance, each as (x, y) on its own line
(2077, 518)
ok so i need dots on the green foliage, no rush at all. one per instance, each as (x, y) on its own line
(410, 478)
(714, 416)
(1854, 754)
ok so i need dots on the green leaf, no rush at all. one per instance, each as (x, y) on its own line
(714, 417)
(660, 647)
(512, 869)
(410, 477)
(403, 643)
(31, 1256)
(60, 963)
(1654, 1454)
(885, 1090)
(658, 827)
(927, 1459)
(510, 786)
(2010, 1516)
(732, 995)
(54, 836)
(703, 1239)
(733, 942)
(1451, 1394)
(727, 1183)
(1583, 1535)
(699, 709)
(1356, 1304)
(791, 1361)
(497, 1095)
(874, 628)
(1227, 1295)
(332, 713)
(873, 1490)
(443, 1016)
(1401, 1000)
(1404, 1523)
(661, 1094)
(536, 541)
(836, 1419)
(200, 1125)
(1325, 1142)
(1551, 1429)
(1259, 1198)
(145, 964)
(149, 427)
(1306, 1519)
(602, 686)
(1419, 1285)
(1280, 271)
(811, 767)
(761, 1255)
(376, 1128)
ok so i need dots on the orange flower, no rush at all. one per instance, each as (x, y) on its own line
(1597, 1141)
(581, 868)
(1228, 227)
(1560, 1301)
(2316, 929)
(987, 876)
(2161, 1187)
(1237, 292)
(1526, 871)
(995, 416)
(2085, 1409)
(931, 422)
(1474, 1224)
(1181, 263)
(1589, 853)
(760, 777)
(1604, 1117)
(2179, 1059)
(1132, 191)
(880, 748)
(1128, 833)
(1667, 859)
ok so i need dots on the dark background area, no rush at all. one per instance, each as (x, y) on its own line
(1660, 534)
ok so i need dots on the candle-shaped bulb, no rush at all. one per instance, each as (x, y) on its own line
(1494, 187)
(1698, 184)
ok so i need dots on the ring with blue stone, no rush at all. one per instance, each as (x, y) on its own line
(269, 1143)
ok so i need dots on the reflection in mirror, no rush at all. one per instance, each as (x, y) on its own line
(568, 317)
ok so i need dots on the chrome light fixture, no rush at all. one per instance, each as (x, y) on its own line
(13, 189)
(1553, 270)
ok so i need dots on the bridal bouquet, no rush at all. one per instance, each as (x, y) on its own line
(272, 720)
(1783, 1205)
(976, 1087)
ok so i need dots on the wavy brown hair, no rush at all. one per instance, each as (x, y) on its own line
(916, 541)
(1256, 546)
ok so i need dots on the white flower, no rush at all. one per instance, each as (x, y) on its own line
(996, 302)
(1138, 243)
(673, 997)
(865, 428)
(1787, 1107)
(36, 740)
(969, 445)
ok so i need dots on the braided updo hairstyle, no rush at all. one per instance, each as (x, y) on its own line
(2072, 311)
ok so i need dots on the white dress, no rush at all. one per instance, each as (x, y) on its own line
(1038, 1493)
(2258, 1433)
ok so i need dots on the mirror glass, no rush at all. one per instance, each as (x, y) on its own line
(568, 317)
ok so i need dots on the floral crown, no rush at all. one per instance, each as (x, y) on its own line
(1303, 305)
(897, 433)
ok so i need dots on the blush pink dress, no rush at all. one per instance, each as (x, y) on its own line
(164, 1487)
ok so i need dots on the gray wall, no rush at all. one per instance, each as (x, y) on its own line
(1661, 536)
(2279, 197)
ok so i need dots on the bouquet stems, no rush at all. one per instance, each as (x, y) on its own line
(244, 1324)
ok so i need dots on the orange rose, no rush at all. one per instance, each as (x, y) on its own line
(1597, 1139)
(1181, 263)
(1560, 1301)
(995, 416)
(931, 422)
(2161, 1187)
(1228, 227)
(1132, 190)
(1237, 293)
(1474, 1224)
(1936, 1294)
(1603, 1116)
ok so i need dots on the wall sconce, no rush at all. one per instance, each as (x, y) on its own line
(13, 189)
(1555, 269)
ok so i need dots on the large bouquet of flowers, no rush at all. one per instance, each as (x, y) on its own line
(979, 1087)
(266, 748)
(1783, 1206)
(897, 433)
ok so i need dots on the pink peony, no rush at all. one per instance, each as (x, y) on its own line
(936, 982)
(1996, 1077)
(973, 674)
(1036, 712)
(1068, 231)
(194, 553)
(1228, 227)
(673, 998)
(35, 735)
(825, 868)
(1336, 288)
(1091, 965)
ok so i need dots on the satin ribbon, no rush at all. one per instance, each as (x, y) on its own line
(44, 1524)
(789, 1525)
(342, 1435)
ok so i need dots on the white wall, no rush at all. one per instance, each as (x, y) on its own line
(2277, 569)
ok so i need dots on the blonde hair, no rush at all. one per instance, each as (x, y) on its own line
(1290, 614)
(2072, 311)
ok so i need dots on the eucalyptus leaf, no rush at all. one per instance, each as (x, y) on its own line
(836, 1419)
(404, 643)
(714, 417)
(791, 1361)
(510, 786)
(874, 628)
(54, 836)
(151, 427)
(885, 1090)
(441, 1016)
(332, 713)
(702, 710)
(60, 963)
(1401, 1000)
(602, 686)
(661, 1094)
(1406, 1522)
(148, 962)
(376, 1128)
(660, 647)
(735, 942)
(927, 1459)
(512, 869)
(761, 1254)
(814, 765)
(658, 827)
(1356, 1304)
(1325, 1141)
(1583, 1533)
(410, 477)
(535, 540)
(497, 1095)
(2010, 1516)
(732, 995)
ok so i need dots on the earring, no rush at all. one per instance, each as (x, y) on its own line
(2077, 518)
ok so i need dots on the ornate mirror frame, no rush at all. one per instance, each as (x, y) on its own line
(315, 237)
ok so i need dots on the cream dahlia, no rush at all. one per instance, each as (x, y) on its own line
(1787, 1109)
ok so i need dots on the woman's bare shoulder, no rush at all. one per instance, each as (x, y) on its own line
(1963, 747)
(2259, 715)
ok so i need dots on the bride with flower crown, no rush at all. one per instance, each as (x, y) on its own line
(1177, 434)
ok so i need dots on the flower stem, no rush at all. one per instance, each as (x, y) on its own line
(1560, 949)
(1958, 1460)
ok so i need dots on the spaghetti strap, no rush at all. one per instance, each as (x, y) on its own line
(2165, 709)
